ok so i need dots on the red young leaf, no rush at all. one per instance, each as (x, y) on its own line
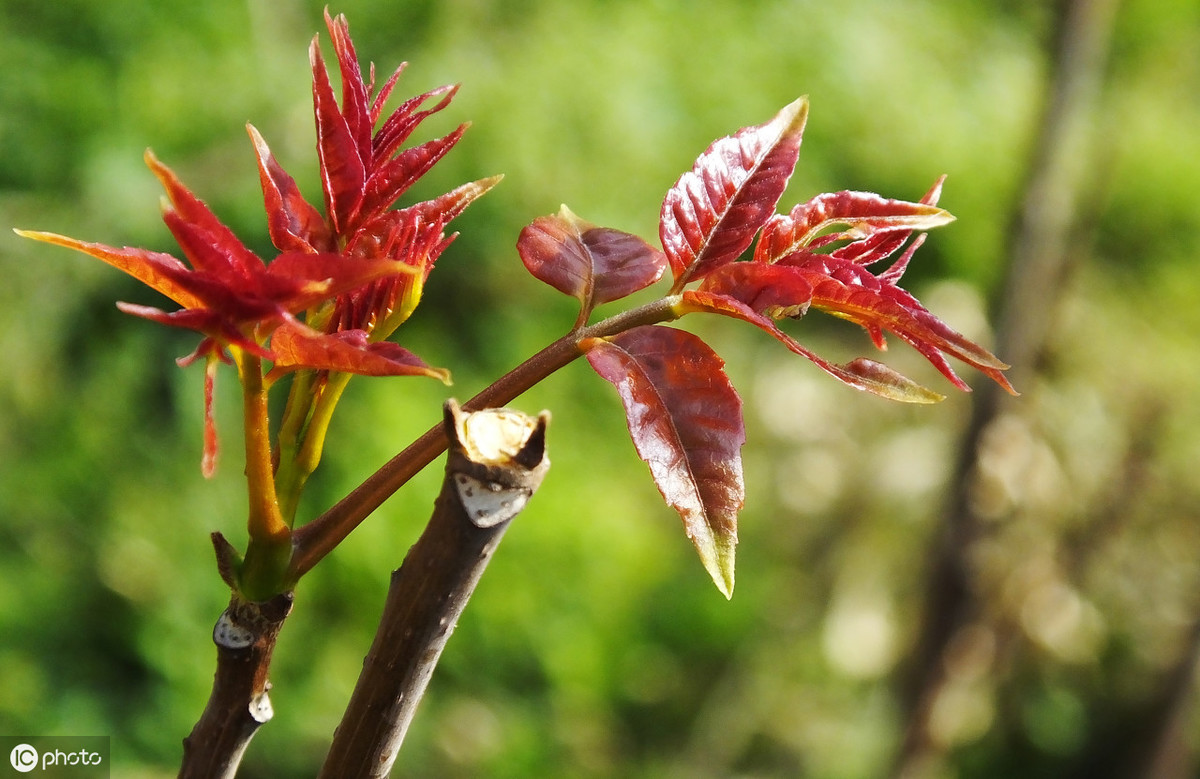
(685, 419)
(848, 290)
(446, 207)
(343, 169)
(400, 123)
(157, 270)
(774, 290)
(863, 214)
(296, 346)
(205, 320)
(391, 179)
(293, 223)
(863, 374)
(714, 210)
(354, 92)
(881, 245)
(592, 264)
(218, 250)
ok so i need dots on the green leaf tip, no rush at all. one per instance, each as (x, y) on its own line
(718, 559)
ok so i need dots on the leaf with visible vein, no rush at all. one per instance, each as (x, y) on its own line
(685, 419)
(593, 264)
(713, 212)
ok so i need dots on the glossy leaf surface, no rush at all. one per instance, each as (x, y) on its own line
(712, 213)
(593, 264)
(685, 419)
(860, 215)
(861, 373)
(296, 346)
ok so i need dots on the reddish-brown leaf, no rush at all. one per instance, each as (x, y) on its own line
(685, 419)
(775, 290)
(204, 320)
(161, 272)
(593, 264)
(354, 92)
(448, 206)
(861, 215)
(714, 210)
(401, 123)
(863, 374)
(218, 250)
(300, 280)
(848, 290)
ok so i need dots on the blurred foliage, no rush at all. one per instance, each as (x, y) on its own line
(595, 645)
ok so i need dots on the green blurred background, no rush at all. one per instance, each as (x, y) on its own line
(595, 646)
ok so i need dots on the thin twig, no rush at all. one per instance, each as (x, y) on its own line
(317, 538)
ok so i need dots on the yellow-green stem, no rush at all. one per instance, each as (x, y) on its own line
(304, 454)
(291, 434)
(270, 538)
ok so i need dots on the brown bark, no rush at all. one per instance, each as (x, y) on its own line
(239, 705)
(496, 461)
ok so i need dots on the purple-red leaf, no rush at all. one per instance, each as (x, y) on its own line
(714, 210)
(295, 345)
(317, 277)
(863, 374)
(354, 92)
(775, 290)
(593, 264)
(860, 214)
(401, 123)
(685, 419)
(848, 290)
(446, 207)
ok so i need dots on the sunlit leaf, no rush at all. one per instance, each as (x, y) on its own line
(355, 109)
(846, 289)
(294, 224)
(863, 374)
(391, 179)
(446, 207)
(593, 264)
(860, 215)
(685, 419)
(212, 247)
(711, 214)
(343, 170)
(400, 123)
(161, 272)
(775, 290)
(296, 346)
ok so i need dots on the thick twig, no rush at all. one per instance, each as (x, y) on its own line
(496, 461)
(245, 636)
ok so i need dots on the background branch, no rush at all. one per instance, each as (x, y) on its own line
(1039, 255)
